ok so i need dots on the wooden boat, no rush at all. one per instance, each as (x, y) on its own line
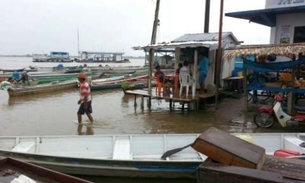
(122, 72)
(51, 77)
(116, 83)
(127, 155)
(12, 169)
(19, 90)
(96, 81)
(28, 69)
(134, 86)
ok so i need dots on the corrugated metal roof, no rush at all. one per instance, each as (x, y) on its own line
(212, 45)
(201, 37)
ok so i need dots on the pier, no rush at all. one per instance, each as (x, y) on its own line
(191, 102)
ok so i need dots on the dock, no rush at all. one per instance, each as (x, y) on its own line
(192, 103)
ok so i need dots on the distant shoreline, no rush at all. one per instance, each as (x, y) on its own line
(28, 55)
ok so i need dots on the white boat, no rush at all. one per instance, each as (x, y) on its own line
(127, 155)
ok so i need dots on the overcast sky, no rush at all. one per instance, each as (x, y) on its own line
(41, 26)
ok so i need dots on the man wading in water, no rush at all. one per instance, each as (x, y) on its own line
(85, 98)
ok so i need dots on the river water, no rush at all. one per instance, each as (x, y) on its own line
(114, 113)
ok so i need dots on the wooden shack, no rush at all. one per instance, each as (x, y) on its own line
(188, 46)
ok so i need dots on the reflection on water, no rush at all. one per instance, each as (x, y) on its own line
(88, 130)
(126, 98)
(40, 96)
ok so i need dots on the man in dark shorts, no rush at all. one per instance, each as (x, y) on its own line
(85, 98)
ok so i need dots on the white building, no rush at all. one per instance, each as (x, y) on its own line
(284, 17)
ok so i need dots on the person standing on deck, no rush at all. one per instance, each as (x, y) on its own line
(185, 68)
(203, 71)
(85, 98)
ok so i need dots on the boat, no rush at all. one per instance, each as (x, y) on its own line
(101, 57)
(133, 86)
(52, 76)
(115, 84)
(120, 72)
(137, 155)
(55, 76)
(96, 81)
(20, 90)
(53, 57)
(13, 170)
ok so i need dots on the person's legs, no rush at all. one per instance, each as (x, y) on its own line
(80, 112)
(89, 111)
(79, 118)
(90, 117)
(202, 77)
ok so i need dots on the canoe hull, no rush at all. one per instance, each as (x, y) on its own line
(116, 84)
(37, 173)
(43, 88)
(137, 155)
(112, 168)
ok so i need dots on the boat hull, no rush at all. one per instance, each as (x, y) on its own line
(34, 172)
(43, 88)
(111, 168)
(116, 84)
(136, 155)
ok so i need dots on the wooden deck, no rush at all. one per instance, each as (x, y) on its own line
(171, 98)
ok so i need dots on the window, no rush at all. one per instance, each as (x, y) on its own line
(299, 34)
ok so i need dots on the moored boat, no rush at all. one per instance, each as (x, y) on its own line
(19, 90)
(13, 170)
(115, 84)
(136, 155)
(133, 86)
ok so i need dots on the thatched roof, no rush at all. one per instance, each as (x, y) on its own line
(260, 50)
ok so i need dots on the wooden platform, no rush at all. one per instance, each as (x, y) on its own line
(171, 98)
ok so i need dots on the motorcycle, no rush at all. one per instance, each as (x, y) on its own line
(267, 116)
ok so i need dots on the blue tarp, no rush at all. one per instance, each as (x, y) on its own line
(272, 67)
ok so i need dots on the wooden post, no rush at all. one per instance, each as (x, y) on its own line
(245, 94)
(219, 55)
(195, 74)
(207, 16)
(176, 80)
(142, 102)
(155, 24)
(151, 59)
(177, 57)
(291, 96)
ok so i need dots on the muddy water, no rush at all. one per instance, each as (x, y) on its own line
(114, 113)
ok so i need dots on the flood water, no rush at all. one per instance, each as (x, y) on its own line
(114, 113)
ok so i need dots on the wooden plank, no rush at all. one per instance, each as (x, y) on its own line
(289, 168)
(210, 171)
(229, 150)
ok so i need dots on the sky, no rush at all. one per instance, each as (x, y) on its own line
(42, 26)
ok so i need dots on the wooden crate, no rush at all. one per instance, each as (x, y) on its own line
(229, 150)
